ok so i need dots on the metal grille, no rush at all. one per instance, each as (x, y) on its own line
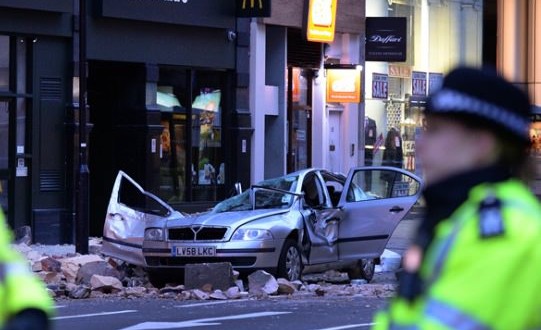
(50, 89)
(51, 180)
(197, 233)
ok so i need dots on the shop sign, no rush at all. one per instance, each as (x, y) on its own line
(343, 85)
(321, 20)
(253, 8)
(380, 86)
(399, 71)
(386, 39)
(418, 83)
(62, 6)
(434, 81)
(296, 84)
(207, 13)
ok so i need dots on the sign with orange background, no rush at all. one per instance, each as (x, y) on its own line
(344, 85)
(321, 20)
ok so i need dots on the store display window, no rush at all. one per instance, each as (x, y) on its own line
(192, 166)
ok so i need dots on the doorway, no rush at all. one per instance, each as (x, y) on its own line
(299, 117)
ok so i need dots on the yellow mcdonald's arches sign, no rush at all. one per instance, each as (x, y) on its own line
(252, 4)
(253, 8)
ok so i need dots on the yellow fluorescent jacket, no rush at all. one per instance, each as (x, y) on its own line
(19, 287)
(483, 283)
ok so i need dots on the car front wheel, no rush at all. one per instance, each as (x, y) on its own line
(290, 263)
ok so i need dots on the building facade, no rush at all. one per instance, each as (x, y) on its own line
(161, 86)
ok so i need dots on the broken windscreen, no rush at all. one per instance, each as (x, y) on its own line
(277, 193)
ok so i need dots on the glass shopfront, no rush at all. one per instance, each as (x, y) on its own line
(395, 92)
(191, 154)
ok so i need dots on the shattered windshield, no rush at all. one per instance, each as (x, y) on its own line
(277, 193)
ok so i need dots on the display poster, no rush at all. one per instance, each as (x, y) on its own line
(380, 86)
(399, 71)
(321, 20)
(434, 81)
(418, 83)
(253, 8)
(343, 85)
(386, 39)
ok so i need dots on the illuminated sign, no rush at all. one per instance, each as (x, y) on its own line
(343, 85)
(321, 20)
(386, 39)
(435, 80)
(253, 8)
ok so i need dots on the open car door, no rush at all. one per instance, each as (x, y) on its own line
(130, 211)
(374, 200)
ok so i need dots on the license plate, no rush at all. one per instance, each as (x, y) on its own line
(194, 251)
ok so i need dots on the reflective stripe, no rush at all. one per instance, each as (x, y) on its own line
(452, 317)
(2, 273)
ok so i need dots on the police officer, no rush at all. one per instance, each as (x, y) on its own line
(24, 301)
(476, 258)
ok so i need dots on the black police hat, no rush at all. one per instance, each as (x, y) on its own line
(482, 96)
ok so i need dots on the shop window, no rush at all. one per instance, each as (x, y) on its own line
(192, 165)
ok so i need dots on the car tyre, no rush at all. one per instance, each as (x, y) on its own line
(364, 269)
(290, 263)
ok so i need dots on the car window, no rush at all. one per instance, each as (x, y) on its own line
(313, 191)
(134, 198)
(272, 193)
(379, 184)
(335, 186)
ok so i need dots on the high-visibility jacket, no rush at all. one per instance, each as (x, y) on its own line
(477, 281)
(20, 289)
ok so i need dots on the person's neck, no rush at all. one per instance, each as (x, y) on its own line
(444, 197)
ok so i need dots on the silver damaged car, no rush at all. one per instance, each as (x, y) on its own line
(310, 220)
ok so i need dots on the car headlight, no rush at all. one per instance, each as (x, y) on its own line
(251, 235)
(154, 234)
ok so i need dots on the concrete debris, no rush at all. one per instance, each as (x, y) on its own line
(105, 284)
(200, 294)
(73, 276)
(80, 292)
(261, 283)
(233, 292)
(218, 295)
(285, 287)
(86, 271)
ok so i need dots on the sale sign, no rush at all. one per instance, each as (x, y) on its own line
(380, 86)
(418, 83)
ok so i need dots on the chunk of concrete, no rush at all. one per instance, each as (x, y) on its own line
(262, 283)
(217, 275)
(285, 287)
(85, 273)
(105, 284)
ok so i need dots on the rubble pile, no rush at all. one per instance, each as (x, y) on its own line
(76, 276)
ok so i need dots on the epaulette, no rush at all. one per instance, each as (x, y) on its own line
(490, 217)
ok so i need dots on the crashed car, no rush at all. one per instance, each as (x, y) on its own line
(310, 220)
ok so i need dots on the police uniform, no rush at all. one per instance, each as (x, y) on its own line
(21, 292)
(481, 235)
